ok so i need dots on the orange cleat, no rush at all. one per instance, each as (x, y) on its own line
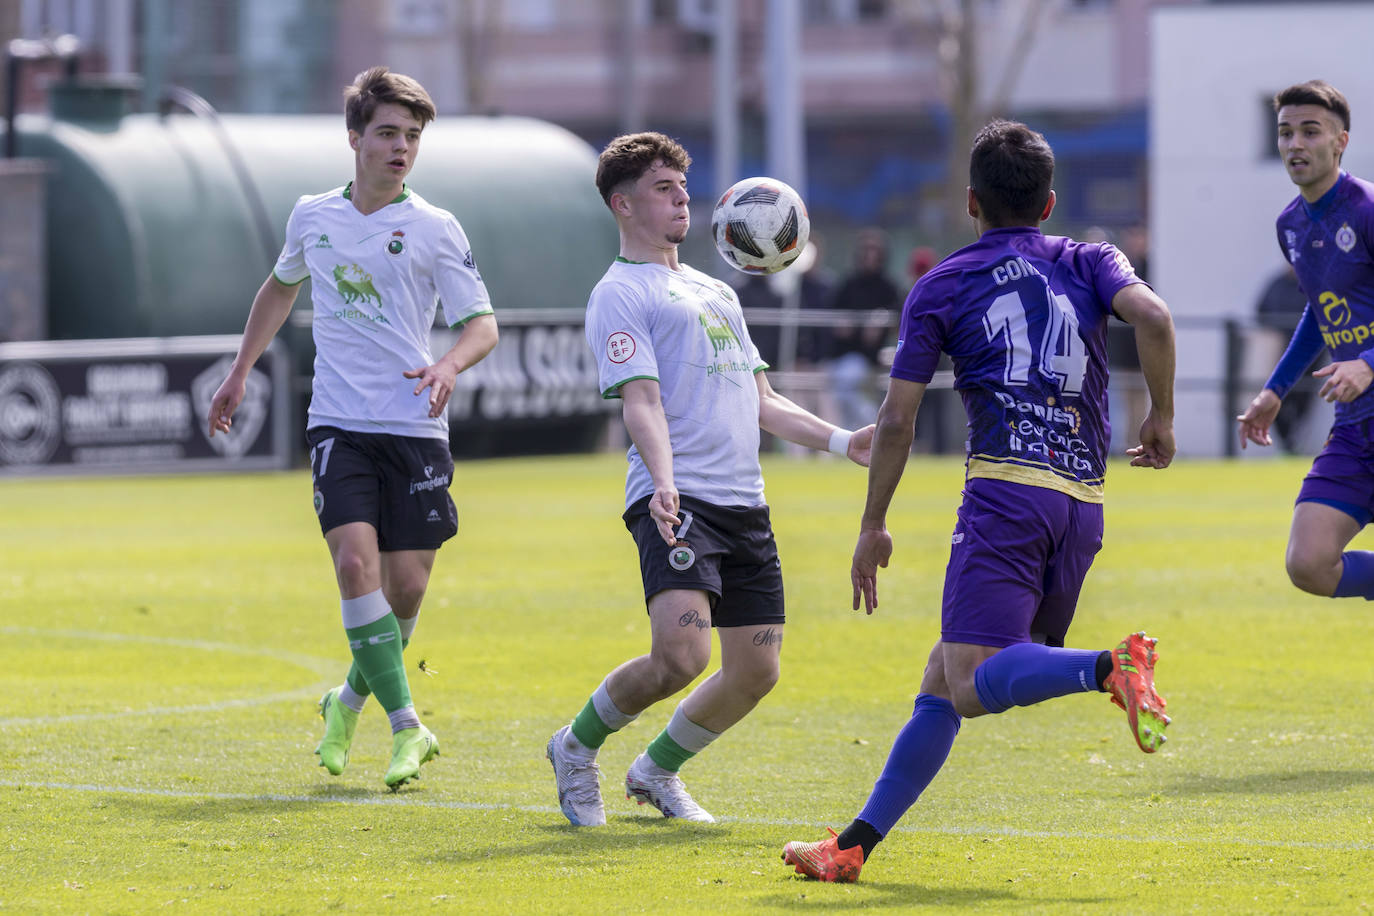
(1132, 686)
(825, 861)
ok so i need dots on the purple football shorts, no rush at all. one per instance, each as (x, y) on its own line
(1017, 561)
(1342, 474)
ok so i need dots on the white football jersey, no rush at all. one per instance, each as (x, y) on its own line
(376, 282)
(684, 329)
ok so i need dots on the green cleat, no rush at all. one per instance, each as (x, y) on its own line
(340, 723)
(410, 748)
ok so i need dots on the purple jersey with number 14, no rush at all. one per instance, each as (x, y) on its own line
(1023, 316)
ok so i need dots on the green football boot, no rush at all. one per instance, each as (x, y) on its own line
(410, 748)
(340, 723)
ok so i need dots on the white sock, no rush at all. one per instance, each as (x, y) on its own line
(403, 718)
(364, 609)
(689, 735)
(351, 699)
(407, 625)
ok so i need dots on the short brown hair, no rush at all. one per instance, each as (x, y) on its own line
(1316, 92)
(629, 156)
(378, 86)
(1011, 169)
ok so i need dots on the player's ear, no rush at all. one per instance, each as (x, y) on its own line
(620, 204)
(972, 204)
(353, 139)
(1049, 207)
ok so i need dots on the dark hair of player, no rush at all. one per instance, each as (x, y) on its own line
(1010, 170)
(626, 158)
(1316, 92)
(378, 86)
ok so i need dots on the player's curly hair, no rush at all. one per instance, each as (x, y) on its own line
(629, 156)
(1315, 92)
(1011, 169)
(378, 86)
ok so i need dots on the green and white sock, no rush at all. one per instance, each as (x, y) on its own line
(598, 719)
(355, 690)
(374, 637)
(682, 740)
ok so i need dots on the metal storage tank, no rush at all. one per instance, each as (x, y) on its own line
(167, 225)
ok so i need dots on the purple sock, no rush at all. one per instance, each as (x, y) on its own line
(1027, 673)
(916, 756)
(1357, 575)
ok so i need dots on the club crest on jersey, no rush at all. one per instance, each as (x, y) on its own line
(396, 245)
(319, 503)
(1345, 238)
(682, 556)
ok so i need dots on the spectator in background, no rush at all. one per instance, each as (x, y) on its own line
(817, 292)
(856, 346)
(756, 292)
(1279, 308)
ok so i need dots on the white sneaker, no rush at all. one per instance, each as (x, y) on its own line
(648, 782)
(579, 783)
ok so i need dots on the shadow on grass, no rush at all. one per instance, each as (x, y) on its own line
(1285, 782)
(802, 893)
(582, 845)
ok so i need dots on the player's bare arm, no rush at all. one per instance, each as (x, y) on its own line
(648, 429)
(783, 418)
(271, 305)
(891, 446)
(1346, 380)
(1139, 306)
(478, 338)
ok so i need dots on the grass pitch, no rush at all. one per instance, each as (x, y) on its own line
(163, 642)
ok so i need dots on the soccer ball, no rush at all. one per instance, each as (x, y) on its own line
(760, 225)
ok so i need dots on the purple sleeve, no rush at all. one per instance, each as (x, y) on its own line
(1112, 274)
(1304, 347)
(922, 334)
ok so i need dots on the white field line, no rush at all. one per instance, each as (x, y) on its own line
(409, 801)
(320, 666)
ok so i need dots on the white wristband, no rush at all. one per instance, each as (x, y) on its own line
(839, 441)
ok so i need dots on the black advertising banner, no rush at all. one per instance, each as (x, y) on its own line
(136, 405)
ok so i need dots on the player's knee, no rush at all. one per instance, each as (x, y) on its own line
(758, 680)
(964, 696)
(1310, 573)
(678, 669)
(405, 597)
(353, 572)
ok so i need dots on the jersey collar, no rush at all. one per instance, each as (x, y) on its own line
(1322, 205)
(405, 192)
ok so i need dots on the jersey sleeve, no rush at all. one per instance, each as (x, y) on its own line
(618, 333)
(291, 268)
(922, 334)
(1112, 274)
(462, 294)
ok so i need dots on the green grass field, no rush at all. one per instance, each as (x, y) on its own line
(163, 642)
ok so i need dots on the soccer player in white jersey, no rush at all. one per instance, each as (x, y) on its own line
(380, 259)
(671, 343)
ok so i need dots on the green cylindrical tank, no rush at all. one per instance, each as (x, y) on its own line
(154, 228)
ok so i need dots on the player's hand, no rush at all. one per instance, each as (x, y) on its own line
(663, 506)
(1258, 417)
(861, 445)
(1157, 447)
(222, 406)
(439, 379)
(873, 550)
(1345, 380)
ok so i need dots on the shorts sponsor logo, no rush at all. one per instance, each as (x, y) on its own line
(682, 557)
(620, 346)
(319, 503)
(433, 516)
(958, 538)
(429, 483)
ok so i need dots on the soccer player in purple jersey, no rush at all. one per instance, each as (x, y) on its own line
(1023, 317)
(1327, 234)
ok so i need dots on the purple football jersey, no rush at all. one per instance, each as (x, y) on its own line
(1328, 244)
(1023, 316)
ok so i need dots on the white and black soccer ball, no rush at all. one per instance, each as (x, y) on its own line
(760, 225)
